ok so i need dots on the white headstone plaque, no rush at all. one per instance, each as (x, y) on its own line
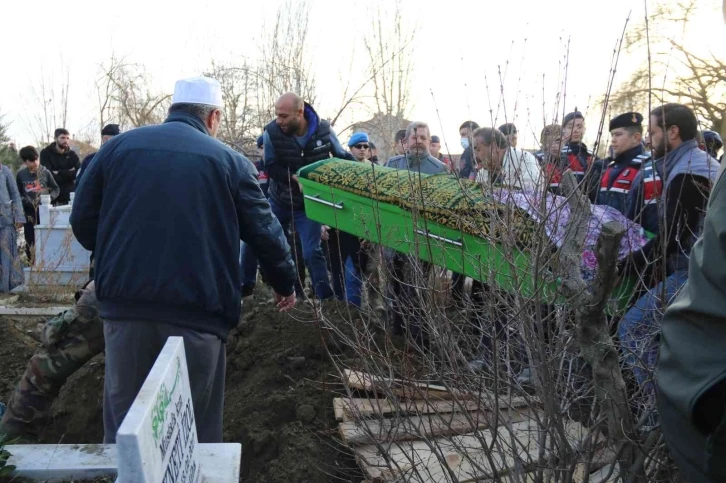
(157, 441)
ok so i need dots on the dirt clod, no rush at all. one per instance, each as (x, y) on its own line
(275, 404)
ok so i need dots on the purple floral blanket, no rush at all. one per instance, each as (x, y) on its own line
(555, 211)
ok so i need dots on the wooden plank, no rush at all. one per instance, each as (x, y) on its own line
(407, 389)
(357, 408)
(426, 426)
(32, 310)
(464, 456)
(339, 409)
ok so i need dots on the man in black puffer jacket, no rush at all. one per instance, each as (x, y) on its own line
(297, 138)
(63, 163)
(164, 207)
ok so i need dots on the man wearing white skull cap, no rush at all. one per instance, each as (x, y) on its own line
(164, 208)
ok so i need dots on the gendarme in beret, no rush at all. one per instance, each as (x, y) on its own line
(629, 119)
(572, 116)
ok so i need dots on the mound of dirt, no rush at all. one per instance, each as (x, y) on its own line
(278, 400)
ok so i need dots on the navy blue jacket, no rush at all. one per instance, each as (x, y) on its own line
(164, 208)
(84, 165)
(618, 177)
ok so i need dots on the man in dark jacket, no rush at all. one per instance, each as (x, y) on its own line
(668, 199)
(466, 163)
(108, 132)
(33, 180)
(574, 155)
(164, 207)
(626, 139)
(60, 160)
(297, 138)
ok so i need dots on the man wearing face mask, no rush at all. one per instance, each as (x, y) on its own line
(466, 163)
(164, 207)
(63, 163)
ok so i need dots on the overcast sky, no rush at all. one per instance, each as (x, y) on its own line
(459, 45)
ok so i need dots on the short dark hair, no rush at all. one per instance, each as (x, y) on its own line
(678, 115)
(508, 129)
(491, 136)
(469, 124)
(634, 129)
(400, 135)
(60, 131)
(201, 111)
(28, 153)
(371, 145)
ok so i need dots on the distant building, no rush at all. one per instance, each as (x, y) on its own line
(381, 128)
(82, 149)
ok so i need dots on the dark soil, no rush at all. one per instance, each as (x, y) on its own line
(279, 393)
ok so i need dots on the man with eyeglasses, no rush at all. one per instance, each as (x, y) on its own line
(359, 146)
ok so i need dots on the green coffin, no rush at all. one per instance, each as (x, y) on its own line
(386, 206)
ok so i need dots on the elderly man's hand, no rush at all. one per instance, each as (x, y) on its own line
(324, 235)
(295, 178)
(285, 303)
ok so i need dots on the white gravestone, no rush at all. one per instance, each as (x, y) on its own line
(157, 441)
(59, 258)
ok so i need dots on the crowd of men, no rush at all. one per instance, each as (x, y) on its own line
(197, 198)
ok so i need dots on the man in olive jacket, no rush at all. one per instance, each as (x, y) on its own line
(692, 366)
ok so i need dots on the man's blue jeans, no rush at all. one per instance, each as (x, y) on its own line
(312, 250)
(639, 330)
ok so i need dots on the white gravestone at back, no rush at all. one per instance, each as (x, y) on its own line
(157, 441)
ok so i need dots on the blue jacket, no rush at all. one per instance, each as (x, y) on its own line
(164, 208)
(84, 165)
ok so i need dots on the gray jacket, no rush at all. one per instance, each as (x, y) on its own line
(424, 165)
(11, 208)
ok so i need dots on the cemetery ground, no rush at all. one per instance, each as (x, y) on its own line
(280, 387)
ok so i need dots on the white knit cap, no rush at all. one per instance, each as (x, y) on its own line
(198, 90)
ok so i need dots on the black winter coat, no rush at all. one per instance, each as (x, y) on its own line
(64, 167)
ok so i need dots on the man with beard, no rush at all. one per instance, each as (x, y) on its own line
(405, 268)
(668, 199)
(63, 163)
(297, 138)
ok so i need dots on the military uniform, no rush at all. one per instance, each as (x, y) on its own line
(69, 340)
(619, 174)
(584, 165)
